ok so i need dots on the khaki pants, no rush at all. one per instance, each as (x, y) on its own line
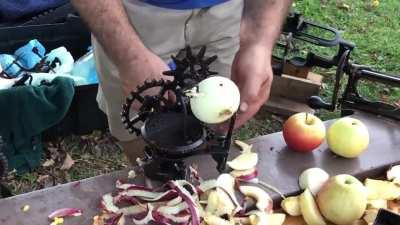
(165, 32)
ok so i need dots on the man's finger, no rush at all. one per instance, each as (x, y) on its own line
(243, 117)
(250, 90)
(243, 107)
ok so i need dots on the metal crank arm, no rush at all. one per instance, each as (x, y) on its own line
(352, 99)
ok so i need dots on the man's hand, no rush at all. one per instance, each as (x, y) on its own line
(251, 69)
(252, 73)
(147, 66)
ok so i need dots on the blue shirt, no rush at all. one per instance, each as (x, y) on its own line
(184, 4)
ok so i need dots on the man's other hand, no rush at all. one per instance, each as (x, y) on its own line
(252, 73)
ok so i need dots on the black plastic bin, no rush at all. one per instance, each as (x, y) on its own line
(84, 115)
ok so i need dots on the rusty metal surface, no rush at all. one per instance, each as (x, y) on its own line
(277, 166)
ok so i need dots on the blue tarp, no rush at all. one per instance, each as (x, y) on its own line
(11, 10)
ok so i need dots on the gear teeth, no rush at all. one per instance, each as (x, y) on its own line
(131, 96)
(201, 53)
(210, 60)
(124, 120)
(192, 68)
(123, 114)
(189, 54)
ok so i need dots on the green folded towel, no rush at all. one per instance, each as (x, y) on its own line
(27, 111)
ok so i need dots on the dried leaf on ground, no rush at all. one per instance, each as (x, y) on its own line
(68, 162)
(384, 98)
(48, 163)
(42, 178)
(343, 5)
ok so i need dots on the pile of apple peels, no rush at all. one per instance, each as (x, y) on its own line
(235, 198)
(306, 208)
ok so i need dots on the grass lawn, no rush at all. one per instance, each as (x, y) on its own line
(375, 31)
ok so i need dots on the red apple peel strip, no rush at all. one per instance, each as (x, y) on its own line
(171, 210)
(114, 220)
(64, 212)
(107, 203)
(146, 219)
(195, 174)
(174, 201)
(126, 186)
(207, 185)
(248, 177)
(188, 199)
(151, 196)
(169, 219)
(132, 210)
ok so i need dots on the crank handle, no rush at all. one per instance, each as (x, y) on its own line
(316, 102)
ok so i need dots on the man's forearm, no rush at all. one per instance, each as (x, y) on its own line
(262, 21)
(109, 23)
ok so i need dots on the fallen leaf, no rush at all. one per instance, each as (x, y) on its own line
(342, 5)
(48, 163)
(42, 178)
(57, 221)
(25, 208)
(68, 162)
(131, 174)
(375, 3)
(384, 98)
(85, 137)
(52, 149)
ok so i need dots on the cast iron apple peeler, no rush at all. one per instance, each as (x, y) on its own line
(170, 129)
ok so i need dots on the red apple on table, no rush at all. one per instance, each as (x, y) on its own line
(303, 132)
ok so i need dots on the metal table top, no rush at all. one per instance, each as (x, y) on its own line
(277, 166)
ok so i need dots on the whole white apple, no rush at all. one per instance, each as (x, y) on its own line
(303, 132)
(348, 137)
(342, 199)
(215, 99)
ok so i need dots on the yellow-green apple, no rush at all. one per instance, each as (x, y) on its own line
(342, 199)
(348, 137)
(303, 132)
